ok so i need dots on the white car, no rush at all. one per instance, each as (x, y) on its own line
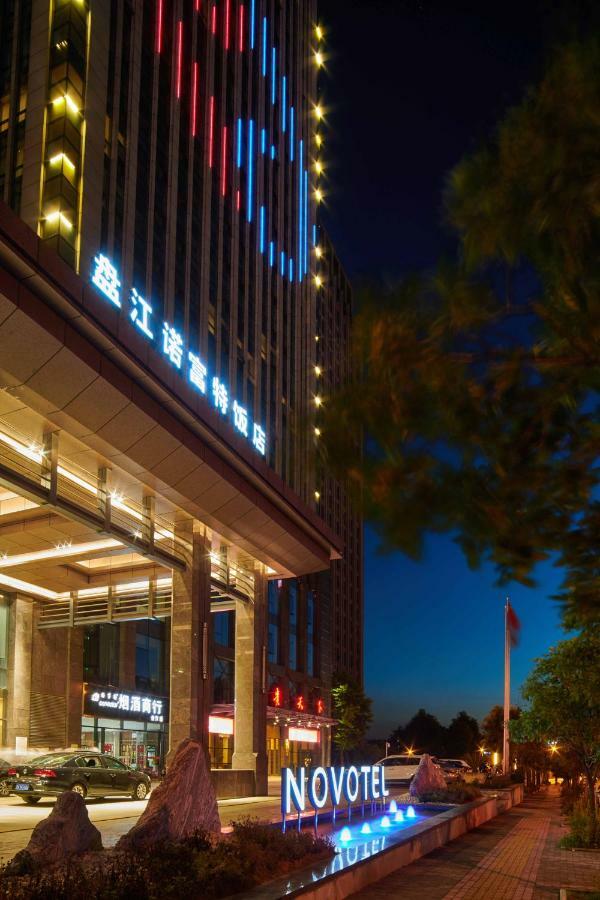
(399, 768)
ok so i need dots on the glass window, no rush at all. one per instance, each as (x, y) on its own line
(293, 651)
(224, 628)
(150, 657)
(223, 680)
(114, 763)
(273, 643)
(101, 654)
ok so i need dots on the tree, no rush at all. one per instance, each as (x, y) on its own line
(352, 709)
(462, 736)
(423, 734)
(477, 386)
(493, 727)
(563, 695)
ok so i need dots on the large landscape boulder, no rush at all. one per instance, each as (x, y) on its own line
(184, 803)
(428, 777)
(66, 832)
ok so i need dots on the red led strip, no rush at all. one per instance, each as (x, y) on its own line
(224, 162)
(197, 6)
(194, 97)
(179, 52)
(159, 25)
(242, 28)
(227, 24)
(237, 199)
(214, 19)
(211, 125)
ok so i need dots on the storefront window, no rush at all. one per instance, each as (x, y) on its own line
(101, 654)
(223, 680)
(142, 745)
(150, 657)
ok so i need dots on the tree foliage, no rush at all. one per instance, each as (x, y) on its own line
(352, 709)
(563, 696)
(462, 736)
(478, 385)
(493, 727)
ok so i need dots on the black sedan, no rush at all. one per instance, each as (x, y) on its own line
(88, 774)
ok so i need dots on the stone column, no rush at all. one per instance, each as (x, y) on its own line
(20, 633)
(250, 693)
(190, 693)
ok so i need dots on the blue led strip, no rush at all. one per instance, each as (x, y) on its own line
(271, 253)
(262, 230)
(283, 102)
(282, 263)
(272, 151)
(305, 222)
(250, 167)
(292, 134)
(252, 19)
(263, 141)
(264, 48)
(314, 235)
(239, 143)
(273, 75)
(291, 269)
(300, 211)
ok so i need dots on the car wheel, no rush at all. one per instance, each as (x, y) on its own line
(140, 791)
(31, 801)
(80, 789)
(4, 788)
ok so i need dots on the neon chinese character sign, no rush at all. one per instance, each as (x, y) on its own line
(170, 343)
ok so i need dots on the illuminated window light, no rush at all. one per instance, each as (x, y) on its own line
(241, 28)
(250, 168)
(64, 98)
(220, 725)
(59, 158)
(264, 48)
(211, 128)
(179, 53)
(58, 216)
(224, 162)
(194, 98)
(319, 58)
(239, 144)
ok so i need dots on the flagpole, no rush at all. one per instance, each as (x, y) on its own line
(506, 736)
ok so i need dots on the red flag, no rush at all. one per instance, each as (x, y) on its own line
(513, 625)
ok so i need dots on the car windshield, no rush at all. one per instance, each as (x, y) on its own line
(51, 759)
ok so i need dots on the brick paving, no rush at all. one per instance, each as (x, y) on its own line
(513, 857)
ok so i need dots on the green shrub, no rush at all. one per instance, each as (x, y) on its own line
(455, 792)
(195, 868)
(584, 828)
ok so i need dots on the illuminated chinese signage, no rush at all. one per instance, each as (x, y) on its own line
(113, 703)
(169, 342)
(321, 785)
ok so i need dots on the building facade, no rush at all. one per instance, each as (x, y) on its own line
(159, 515)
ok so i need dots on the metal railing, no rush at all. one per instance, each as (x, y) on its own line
(124, 603)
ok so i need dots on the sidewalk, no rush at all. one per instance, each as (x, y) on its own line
(513, 857)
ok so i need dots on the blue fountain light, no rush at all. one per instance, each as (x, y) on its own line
(393, 806)
(366, 829)
(399, 817)
(410, 812)
(385, 822)
(345, 835)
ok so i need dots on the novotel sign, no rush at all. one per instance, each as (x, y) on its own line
(331, 783)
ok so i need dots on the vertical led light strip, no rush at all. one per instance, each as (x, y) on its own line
(159, 25)
(264, 48)
(194, 97)
(283, 102)
(282, 263)
(263, 141)
(305, 222)
(291, 269)
(214, 19)
(224, 162)
(271, 253)
(250, 167)
(300, 210)
(241, 44)
(262, 230)
(273, 75)
(292, 134)
(227, 6)
(179, 54)
(211, 131)
(252, 22)
(239, 144)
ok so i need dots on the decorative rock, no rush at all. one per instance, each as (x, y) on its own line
(67, 831)
(428, 777)
(185, 802)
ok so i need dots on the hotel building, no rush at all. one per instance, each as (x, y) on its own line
(160, 519)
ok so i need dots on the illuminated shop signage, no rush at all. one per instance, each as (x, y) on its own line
(100, 701)
(306, 735)
(220, 725)
(169, 342)
(320, 785)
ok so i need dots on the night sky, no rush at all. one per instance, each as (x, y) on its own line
(411, 87)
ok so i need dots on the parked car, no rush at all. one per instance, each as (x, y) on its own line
(88, 774)
(4, 780)
(399, 768)
(454, 769)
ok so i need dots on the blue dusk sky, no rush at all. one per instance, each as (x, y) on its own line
(412, 86)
